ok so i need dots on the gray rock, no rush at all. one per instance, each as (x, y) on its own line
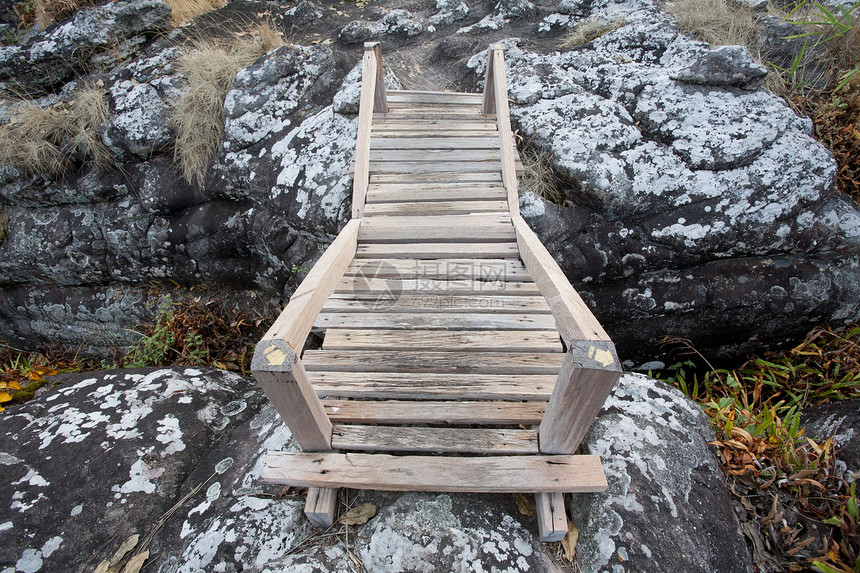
(397, 22)
(51, 57)
(449, 11)
(840, 421)
(725, 66)
(103, 455)
(346, 100)
(666, 508)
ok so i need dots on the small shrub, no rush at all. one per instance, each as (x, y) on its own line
(209, 67)
(589, 30)
(718, 22)
(46, 140)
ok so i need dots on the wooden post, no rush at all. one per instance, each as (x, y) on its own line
(551, 516)
(321, 505)
(366, 106)
(277, 368)
(588, 373)
(489, 84)
(380, 104)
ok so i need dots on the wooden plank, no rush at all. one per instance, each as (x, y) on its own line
(489, 97)
(363, 285)
(358, 302)
(280, 373)
(483, 341)
(581, 389)
(472, 321)
(320, 506)
(294, 323)
(575, 320)
(367, 100)
(432, 115)
(506, 146)
(419, 208)
(404, 193)
(409, 439)
(446, 167)
(430, 97)
(490, 474)
(476, 177)
(431, 155)
(380, 105)
(449, 412)
(429, 386)
(488, 142)
(494, 232)
(490, 270)
(467, 131)
(437, 250)
(443, 108)
(551, 516)
(455, 362)
(464, 220)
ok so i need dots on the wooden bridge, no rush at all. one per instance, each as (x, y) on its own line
(453, 341)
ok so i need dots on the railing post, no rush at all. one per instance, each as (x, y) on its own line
(380, 104)
(588, 373)
(489, 83)
(277, 368)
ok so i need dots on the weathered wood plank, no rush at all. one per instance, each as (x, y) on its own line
(423, 320)
(380, 105)
(467, 131)
(405, 250)
(365, 285)
(294, 323)
(367, 101)
(482, 177)
(494, 232)
(441, 340)
(409, 439)
(458, 220)
(436, 207)
(406, 142)
(320, 506)
(421, 115)
(430, 386)
(424, 412)
(363, 302)
(430, 97)
(454, 362)
(446, 167)
(433, 155)
(551, 516)
(490, 270)
(490, 474)
(506, 146)
(420, 193)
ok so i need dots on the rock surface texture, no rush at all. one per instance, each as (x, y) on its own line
(696, 203)
(104, 455)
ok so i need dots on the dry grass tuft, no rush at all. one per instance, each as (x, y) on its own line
(4, 222)
(589, 30)
(184, 10)
(45, 141)
(718, 22)
(49, 12)
(198, 116)
(539, 177)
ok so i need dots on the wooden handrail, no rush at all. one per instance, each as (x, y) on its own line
(496, 101)
(590, 368)
(372, 100)
(277, 365)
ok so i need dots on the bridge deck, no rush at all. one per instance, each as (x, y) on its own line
(448, 329)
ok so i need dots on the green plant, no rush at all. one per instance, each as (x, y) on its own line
(153, 348)
(835, 31)
(209, 68)
(589, 30)
(300, 270)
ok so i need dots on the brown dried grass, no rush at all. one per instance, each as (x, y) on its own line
(49, 12)
(210, 67)
(589, 30)
(718, 22)
(184, 10)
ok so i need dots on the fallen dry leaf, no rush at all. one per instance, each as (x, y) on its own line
(135, 563)
(123, 550)
(358, 515)
(102, 567)
(524, 505)
(569, 542)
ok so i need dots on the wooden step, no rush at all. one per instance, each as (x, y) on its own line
(352, 284)
(436, 132)
(437, 250)
(497, 304)
(430, 97)
(407, 142)
(494, 232)
(435, 320)
(490, 474)
(434, 155)
(458, 192)
(400, 178)
(440, 340)
(430, 386)
(436, 167)
(490, 270)
(433, 116)
(448, 440)
(428, 412)
(421, 208)
(458, 362)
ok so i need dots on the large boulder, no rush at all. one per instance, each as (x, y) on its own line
(695, 202)
(105, 455)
